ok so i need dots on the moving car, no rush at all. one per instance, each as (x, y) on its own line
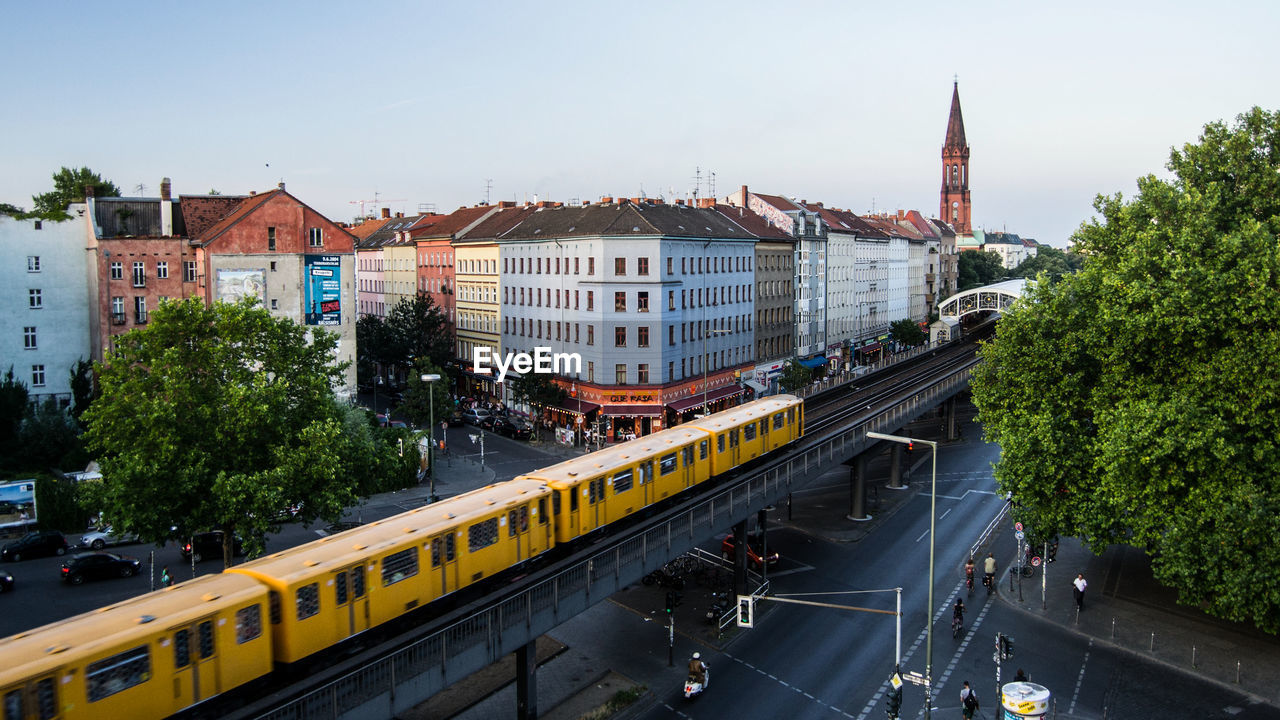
(35, 544)
(209, 545)
(98, 566)
(514, 429)
(6, 582)
(99, 539)
(754, 544)
(455, 419)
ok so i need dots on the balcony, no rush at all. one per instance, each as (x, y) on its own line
(140, 318)
(117, 318)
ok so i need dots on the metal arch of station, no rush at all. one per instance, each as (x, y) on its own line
(996, 297)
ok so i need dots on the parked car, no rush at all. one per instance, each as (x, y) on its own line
(6, 582)
(398, 424)
(754, 543)
(474, 416)
(455, 419)
(288, 513)
(99, 539)
(35, 544)
(209, 544)
(514, 429)
(489, 422)
(98, 566)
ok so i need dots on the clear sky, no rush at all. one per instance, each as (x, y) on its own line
(424, 102)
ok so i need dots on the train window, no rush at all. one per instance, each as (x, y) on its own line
(542, 511)
(791, 416)
(517, 521)
(523, 518)
(46, 699)
(777, 421)
(622, 482)
(13, 706)
(482, 534)
(687, 454)
(182, 648)
(449, 547)
(573, 500)
(435, 552)
(206, 639)
(398, 566)
(109, 675)
(733, 438)
(340, 588)
(357, 581)
(273, 606)
(248, 623)
(764, 427)
(702, 450)
(646, 470)
(720, 443)
(748, 432)
(308, 601)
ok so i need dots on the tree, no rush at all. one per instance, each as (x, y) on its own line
(1050, 260)
(417, 328)
(82, 390)
(421, 398)
(50, 438)
(794, 376)
(536, 389)
(907, 332)
(13, 407)
(372, 347)
(218, 417)
(979, 268)
(1136, 400)
(68, 187)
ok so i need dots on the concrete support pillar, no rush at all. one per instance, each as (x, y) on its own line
(527, 681)
(762, 524)
(858, 489)
(740, 558)
(949, 419)
(895, 466)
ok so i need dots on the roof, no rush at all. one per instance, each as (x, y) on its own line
(449, 225)
(131, 217)
(845, 221)
(246, 206)
(955, 122)
(386, 234)
(627, 218)
(367, 228)
(201, 212)
(752, 223)
(498, 224)
(777, 201)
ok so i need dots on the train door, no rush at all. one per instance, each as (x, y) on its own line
(444, 560)
(195, 659)
(646, 483)
(352, 600)
(595, 501)
(518, 530)
(37, 699)
(688, 475)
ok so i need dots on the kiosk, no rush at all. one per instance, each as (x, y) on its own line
(1024, 701)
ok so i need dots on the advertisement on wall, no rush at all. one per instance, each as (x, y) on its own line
(17, 503)
(236, 284)
(324, 290)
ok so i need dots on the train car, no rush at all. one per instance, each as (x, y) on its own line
(329, 590)
(751, 430)
(612, 483)
(150, 656)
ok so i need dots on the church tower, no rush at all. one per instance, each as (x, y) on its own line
(954, 207)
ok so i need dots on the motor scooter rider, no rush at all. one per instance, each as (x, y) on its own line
(698, 669)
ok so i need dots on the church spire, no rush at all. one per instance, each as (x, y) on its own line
(954, 205)
(955, 124)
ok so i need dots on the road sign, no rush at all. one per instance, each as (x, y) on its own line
(1019, 534)
(1035, 561)
(1017, 526)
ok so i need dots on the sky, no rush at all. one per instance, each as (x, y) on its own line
(447, 104)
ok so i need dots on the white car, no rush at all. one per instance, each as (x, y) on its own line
(99, 539)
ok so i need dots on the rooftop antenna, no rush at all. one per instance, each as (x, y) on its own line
(488, 185)
(140, 189)
(873, 204)
(642, 195)
(711, 184)
(697, 182)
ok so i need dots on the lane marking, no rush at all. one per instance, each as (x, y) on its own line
(1080, 679)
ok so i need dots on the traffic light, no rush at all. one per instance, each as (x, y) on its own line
(746, 611)
(671, 601)
(1008, 648)
(894, 699)
(911, 446)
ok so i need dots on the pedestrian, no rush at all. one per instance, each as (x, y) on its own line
(968, 701)
(166, 580)
(1021, 676)
(1078, 586)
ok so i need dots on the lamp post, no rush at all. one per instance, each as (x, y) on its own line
(430, 379)
(933, 514)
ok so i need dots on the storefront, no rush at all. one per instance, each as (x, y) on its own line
(627, 422)
(713, 400)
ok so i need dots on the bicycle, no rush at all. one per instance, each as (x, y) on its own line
(957, 626)
(968, 581)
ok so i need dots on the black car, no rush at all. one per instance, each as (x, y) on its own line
(98, 566)
(488, 422)
(35, 544)
(455, 419)
(209, 545)
(6, 582)
(514, 429)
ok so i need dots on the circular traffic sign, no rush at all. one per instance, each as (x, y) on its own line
(1019, 534)
(1035, 561)
(1017, 526)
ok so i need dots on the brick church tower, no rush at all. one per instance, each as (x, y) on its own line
(954, 207)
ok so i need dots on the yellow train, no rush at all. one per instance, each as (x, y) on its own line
(166, 651)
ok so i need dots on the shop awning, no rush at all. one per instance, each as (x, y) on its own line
(576, 407)
(631, 410)
(814, 362)
(869, 348)
(755, 386)
(696, 401)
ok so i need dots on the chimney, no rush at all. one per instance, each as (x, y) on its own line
(606, 200)
(506, 203)
(252, 193)
(166, 208)
(635, 201)
(744, 196)
(280, 185)
(901, 214)
(88, 191)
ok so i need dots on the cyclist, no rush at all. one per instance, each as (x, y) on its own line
(968, 574)
(957, 617)
(989, 571)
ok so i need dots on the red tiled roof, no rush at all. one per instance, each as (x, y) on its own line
(246, 206)
(499, 223)
(368, 227)
(777, 201)
(201, 212)
(454, 222)
(752, 223)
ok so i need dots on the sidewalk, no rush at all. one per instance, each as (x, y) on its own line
(1126, 609)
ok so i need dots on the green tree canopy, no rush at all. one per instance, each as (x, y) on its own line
(418, 328)
(1048, 260)
(422, 398)
(537, 390)
(1137, 400)
(907, 332)
(68, 187)
(794, 376)
(979, 268)
(218, 417)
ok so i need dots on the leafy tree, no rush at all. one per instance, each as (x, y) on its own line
(82, 390)
(794, 376)
(979, 268)
(1137, 400)
(218, 417)
(12, 210)
(420, 398)
(50, 438)
(537, 390)
(13, 407)
(417, 328)
(372, 347)
(68, 187)
(1049, 260)
(907, 332)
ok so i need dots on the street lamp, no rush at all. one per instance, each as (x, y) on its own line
(429, 379)
(933, 514)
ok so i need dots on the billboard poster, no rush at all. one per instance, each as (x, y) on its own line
(236, 284)
(17, 503)
(324, 290)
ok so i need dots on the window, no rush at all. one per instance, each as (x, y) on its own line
(642, 373)
(273, 266)
(162, 270)
(671, 334)
(702, 450)
(591, 267)
(117, 271)
(619, 266)
(777, 421)
(315, 238)
(188, 271)
(642, 339)
(37, 376)
(620, 302)
(117, 311)
(749, 432)
(622, 482)
(670, 265)
(271, 238)
(33, 263)
(140, 310)
(275, 304)
(642, 301)
(642, 266)
(139, 274)
(671, 299)
(575, 266)
(687, 454)
(29, 337)
(591, 371)
(482, 534)
(620, 373)
(398, 566)
(308, 601)
(591, 334)
(667, 464)
(591, 300)
(119, 672)
(720, 443)
(620, 336)
(248, 623)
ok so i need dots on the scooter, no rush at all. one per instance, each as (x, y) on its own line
(693, 688)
